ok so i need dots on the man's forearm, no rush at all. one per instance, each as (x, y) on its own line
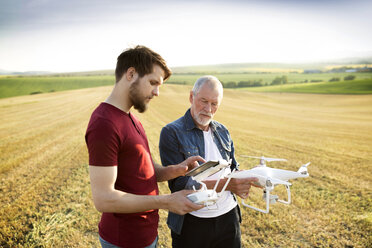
(239, 186)
(163, 173)
(121, 202)
(211, 184)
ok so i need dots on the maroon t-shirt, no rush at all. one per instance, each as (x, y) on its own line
(115, 138)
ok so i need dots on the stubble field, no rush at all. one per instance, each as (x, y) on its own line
(44, 183)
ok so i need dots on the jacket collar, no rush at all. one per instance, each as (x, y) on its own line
(190, 122)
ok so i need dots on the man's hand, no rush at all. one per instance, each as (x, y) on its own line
(241, 186)
(179, 204)
(172, 171)
(187, 165)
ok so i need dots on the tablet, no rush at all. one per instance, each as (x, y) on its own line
(201, 168)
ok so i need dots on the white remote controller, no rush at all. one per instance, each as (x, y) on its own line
(204, 197)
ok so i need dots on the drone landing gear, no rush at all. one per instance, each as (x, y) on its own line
(288, 201)
(270, 199)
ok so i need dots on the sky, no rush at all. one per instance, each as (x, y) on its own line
(86, 35)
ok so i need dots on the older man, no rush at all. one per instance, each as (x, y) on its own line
(196, 133)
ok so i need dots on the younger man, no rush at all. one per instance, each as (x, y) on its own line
(123, 175)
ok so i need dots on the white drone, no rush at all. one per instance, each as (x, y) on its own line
(268, 178)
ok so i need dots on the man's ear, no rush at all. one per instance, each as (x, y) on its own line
(131, 74)
(191, 97)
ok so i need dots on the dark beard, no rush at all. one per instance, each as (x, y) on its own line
(135, 96)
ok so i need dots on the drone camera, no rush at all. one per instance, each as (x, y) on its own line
(273, 199)
(269, 183)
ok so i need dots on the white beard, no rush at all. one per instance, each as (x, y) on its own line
(201, 122)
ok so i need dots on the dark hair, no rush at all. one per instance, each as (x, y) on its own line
(142, 59)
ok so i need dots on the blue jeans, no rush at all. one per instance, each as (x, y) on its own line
(106, 244)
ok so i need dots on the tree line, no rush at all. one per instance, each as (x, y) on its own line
(280, 80)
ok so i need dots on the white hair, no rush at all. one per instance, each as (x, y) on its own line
(213, 82)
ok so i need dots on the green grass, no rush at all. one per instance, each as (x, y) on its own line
(18, 86)
(267, 77)
(342, 87)
(260, 67)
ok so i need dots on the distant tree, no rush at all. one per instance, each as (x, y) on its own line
(284, 79)
(230, 84)
(280, 80)
(349, 77)
(250, 83)
(245, 84)
(36, 92)
(258, 83)
(334, 79)
(316, 81)
(177, 82)
(276, 81)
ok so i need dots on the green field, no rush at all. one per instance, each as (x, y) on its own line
(265, 77)
(44, 182)
(269, 67)
(342, 87)
(18, 86)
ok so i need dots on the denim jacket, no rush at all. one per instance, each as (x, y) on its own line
(182, 139)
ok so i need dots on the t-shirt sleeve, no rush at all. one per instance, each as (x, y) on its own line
(103, 143)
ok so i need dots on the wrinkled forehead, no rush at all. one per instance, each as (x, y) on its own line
(210, 93)
(210, 88)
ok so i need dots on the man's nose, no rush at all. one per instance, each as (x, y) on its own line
(208, 107)
(155, 91)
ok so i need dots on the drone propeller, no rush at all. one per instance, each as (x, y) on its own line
(265, 159)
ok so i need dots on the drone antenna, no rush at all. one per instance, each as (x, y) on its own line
(262, 161)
